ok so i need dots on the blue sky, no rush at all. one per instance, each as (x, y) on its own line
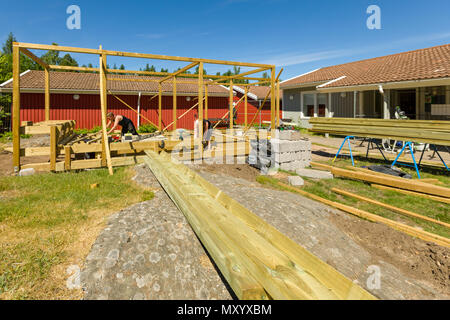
(297, 35)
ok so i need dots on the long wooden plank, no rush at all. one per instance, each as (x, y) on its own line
(389, 181)
(415, 232)
(16, 109)
(412, 193)
(255, 253)
(335, 281)
(240, 280)
(389, 207)
(104, 108)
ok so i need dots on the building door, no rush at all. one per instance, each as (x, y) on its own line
(407, 102)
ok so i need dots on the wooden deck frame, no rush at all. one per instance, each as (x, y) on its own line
(103, 71)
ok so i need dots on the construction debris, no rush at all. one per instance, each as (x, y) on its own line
(314, 174)
(296, 181)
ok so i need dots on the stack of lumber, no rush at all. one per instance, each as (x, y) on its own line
(426, 131)
(257, 260)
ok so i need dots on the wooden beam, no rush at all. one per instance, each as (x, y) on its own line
(231, 100)
(67, 158)
(272, 99)
(159, 106)
(278, 105)
(72, 68)
(246, 106)
(174, 104)
(206, 102)
(54, 132)
(34, 58)
(256, 260)
(136, 55)
(415, 232)
(104, 108)
(391, 182)
(47, 94)
(200, 106)
(16, 109)
(412, 193)
(239, 76)
(130, 107)
(389, 207)
(190, 66)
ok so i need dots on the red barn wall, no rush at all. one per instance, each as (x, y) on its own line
(252, 108)
(86, 110)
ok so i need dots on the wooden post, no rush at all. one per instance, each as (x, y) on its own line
(67, 158)
(278, 104)
(272, 100)
(206, 102)
(159, 107)
(231, 105)
(16, 109)
(47, 94)
(54, 132)
(104, 107)
(245, 106)
(174, 108)
(200, 107)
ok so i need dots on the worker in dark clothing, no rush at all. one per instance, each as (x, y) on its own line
(207, 131)
(126, 124)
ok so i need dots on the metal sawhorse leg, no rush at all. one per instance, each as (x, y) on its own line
(410, 145)
(347, 139)
(436, 152)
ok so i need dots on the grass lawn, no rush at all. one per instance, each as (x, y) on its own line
(437, 210)
(49, 222)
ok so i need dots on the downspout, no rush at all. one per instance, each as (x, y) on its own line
(139, 110)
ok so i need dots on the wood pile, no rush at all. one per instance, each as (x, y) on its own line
(425, 131)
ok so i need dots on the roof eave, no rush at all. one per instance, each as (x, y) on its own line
(389, 85)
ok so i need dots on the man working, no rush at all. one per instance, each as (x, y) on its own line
(126, 124)
(207, 131)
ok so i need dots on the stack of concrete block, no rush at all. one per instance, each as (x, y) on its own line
(290, 151)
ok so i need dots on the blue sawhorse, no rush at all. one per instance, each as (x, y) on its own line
(436, 151)
(347, 139)
(407, 144)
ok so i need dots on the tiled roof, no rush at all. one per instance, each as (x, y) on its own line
(429, 63)
(75, 81)
(260, 91)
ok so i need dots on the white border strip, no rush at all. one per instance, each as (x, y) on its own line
(10, 80)
(251, 95)
(304, 74)
(332, 81)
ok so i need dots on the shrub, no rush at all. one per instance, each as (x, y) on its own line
(147, 128)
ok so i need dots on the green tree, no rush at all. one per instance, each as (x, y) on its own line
(67, 60)
(8, 45)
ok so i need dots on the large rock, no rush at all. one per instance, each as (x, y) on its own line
(314, 174)
(296, 181)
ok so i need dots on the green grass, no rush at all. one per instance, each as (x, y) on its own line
(433, 209)
(50, 219)
(8, 136)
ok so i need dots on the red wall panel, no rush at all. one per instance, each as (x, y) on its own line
(86, 110)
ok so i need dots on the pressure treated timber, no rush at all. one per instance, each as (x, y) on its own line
(389, 207)
(104, 108)
(415, 232)
(388, 181)
(335, 281)
(16, 109)
(279, 275)
(412, 193)
(237, 275)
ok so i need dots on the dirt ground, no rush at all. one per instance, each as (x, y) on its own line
(415, 258)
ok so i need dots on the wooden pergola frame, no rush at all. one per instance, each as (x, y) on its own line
(104, 71)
